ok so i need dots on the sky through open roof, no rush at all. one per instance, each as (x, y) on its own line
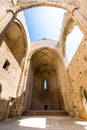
(44, 22)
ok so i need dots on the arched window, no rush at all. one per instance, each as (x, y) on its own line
(45, 85)
(84, 97)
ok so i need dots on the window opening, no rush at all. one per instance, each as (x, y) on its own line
(45, 107)
(6, 65)
(45, 85)
(73, 42)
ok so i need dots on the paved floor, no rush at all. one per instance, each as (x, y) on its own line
(43, 123)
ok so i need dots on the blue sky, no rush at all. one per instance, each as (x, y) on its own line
(45, 22)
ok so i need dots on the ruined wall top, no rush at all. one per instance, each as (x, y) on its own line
(31, 3)
(66, 4)
(23, 4)
(62, 1)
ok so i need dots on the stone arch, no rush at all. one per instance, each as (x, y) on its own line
(43, 67)
(68, 5)
(71, 6)
(74, 7)
(47, 43)
(67, 28)
(17, 43)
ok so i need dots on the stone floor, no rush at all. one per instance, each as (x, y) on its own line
(43, 123)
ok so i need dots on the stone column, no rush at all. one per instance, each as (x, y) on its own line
(7, 21)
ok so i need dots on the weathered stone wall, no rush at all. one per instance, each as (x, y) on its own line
(49, 97)
(4, 5)
(67, 26)
(14, 51)
(78, 74)
(83, 6)
(10, 73)
(19, 104)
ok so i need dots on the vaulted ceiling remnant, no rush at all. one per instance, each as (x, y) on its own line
(45, 61)
(44, 58)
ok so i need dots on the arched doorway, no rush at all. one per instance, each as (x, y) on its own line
(44, 87)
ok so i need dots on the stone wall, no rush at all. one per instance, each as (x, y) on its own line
(13, 63)
(48, 97)
(23, 46)
(10, 73)
(78, 74)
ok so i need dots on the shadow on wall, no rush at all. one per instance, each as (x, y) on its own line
(11, 107)
(13, 51)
